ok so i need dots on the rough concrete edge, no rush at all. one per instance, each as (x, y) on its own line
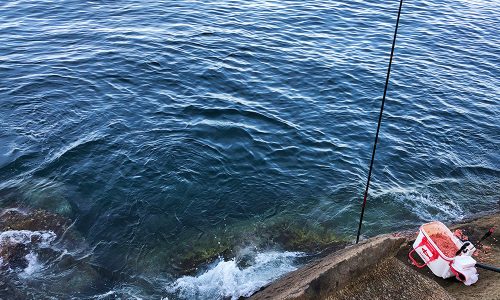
(475, 217)
(334, 271)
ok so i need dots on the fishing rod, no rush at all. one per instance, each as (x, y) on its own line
(379, 123)
(488, 267)
(486, 235)
(466, 245)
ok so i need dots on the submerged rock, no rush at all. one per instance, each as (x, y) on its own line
(44, 194)
(195, 258)
(48, 195)
(283, 234)
(17, 219)
(80, 277)
(293, 236)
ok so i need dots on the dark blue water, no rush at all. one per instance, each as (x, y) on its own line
(165, 127)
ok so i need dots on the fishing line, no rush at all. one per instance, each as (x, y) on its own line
(379, 122)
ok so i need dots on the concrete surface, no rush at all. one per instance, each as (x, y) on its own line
(379, 268)
(321, 278)
(391, 279)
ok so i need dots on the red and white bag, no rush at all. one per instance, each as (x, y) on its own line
(462, 266)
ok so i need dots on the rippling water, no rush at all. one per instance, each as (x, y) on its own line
(166, 127)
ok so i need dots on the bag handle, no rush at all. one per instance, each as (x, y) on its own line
(434, 253)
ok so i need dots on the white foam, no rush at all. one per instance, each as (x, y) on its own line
(33, 239)
(227, 280)
(42, 238)
(426, 206)
(120, 293)
(33, 264)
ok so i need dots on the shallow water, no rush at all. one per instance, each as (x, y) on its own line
(167, 128)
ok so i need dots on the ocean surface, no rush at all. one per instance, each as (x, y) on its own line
(182, 138)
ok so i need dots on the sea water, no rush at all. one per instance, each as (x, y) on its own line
(177, 134)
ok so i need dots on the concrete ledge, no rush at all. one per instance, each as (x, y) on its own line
(319, 279)
(388, 280)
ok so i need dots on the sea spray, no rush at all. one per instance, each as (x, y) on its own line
(226, 279)
(43, 238)
(33, 264)
(18, 248)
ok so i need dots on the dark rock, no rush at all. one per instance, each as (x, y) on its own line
(26, 231)
(13, 255)
(15, 219)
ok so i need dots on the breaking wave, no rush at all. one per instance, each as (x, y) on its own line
(32, 241)
(42, 238)
(227, 279)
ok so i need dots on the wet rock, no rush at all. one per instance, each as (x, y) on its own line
(79, 278)
(17, 219)
(189, 261)
(17, 245)
(43, 194)
(28, 240)
(281, 233)
(292, 236)
(13, 255)
(22, 232)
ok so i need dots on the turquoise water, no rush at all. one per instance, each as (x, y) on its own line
(165, 129)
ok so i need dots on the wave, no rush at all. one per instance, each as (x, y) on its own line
(227, 279)
(43, 238)
(24, 261)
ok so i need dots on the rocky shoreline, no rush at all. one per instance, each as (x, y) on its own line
(377, 268)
